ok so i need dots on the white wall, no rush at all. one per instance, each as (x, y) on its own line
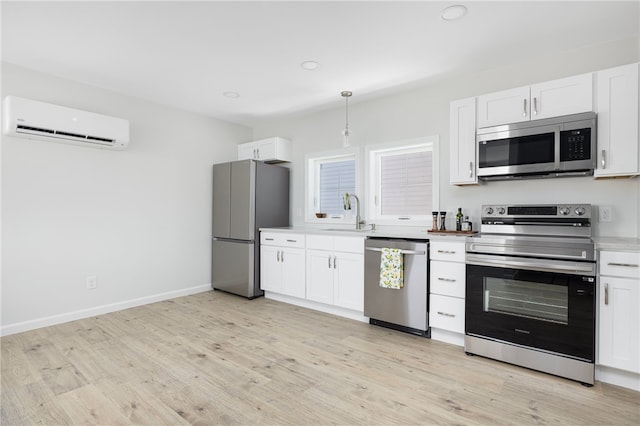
(423, 111)
(139, 219)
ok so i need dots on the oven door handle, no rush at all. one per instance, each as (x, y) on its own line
(545, 265)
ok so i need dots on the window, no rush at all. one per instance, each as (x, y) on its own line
(403, 181)
(329, 177)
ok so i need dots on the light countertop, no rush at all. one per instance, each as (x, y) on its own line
(384, 231)
(617, 243)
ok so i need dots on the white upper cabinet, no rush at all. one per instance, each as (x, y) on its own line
(507, 106)
(617, 108)
(270, 150)
(555, 98)
(462, 142)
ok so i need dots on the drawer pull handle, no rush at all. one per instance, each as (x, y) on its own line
(446, 314)
(606, 294)
(269, 239)
(449, 280)
(446, 252)
(292, 241)
(626, 265)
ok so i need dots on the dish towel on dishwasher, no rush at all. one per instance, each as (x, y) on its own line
(391, 268)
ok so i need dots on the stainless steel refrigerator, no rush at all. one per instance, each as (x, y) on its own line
(247, 195)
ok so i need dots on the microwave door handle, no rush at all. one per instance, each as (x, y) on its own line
(556, 148)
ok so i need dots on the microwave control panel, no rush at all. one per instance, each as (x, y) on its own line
(575, 145)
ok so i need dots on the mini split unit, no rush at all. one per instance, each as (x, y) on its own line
(26, 118)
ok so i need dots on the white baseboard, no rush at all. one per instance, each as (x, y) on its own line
(613, 376)
(447, 336)
(19, 327)
(329, 309)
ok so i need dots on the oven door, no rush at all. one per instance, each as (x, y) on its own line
(551, 311)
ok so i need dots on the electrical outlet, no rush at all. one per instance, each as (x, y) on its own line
(604, 214)
(92, 282)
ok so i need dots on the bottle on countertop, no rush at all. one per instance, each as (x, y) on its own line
(459, 219)
(466, 224)
(443, 218)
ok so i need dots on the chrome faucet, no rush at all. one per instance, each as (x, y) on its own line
(359, 221)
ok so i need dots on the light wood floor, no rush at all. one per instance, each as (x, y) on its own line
(214, 358)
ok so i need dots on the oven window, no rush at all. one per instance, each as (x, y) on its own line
(546, 302)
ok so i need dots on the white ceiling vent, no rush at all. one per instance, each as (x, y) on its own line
(26, 118)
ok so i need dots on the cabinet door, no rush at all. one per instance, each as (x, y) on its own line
(562, 97)
(617, 108)
(270, 269)
(293, 272)
(462, 144)
(266, 150)
(246, 151)
(507, 106)
(320, 276)
(619, 324)
(349, 281)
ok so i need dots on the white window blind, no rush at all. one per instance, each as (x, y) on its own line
(335, 179)
(406, 184)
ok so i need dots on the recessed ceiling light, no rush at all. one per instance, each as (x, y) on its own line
(309, 65)
(453, 13)
(231, 95)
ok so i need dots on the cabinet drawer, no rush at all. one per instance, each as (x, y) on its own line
(446, 313)
(620, 264)
(336, 243)
(349, 244)
(319, 242)
(282, 239)
(447, 278)
(452, 251)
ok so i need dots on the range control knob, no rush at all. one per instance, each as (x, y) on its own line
(564, 211)
(500, 210)
(580, 211)
(488, 210)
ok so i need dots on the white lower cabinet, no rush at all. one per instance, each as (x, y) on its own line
(447, 289)
(282, 264)
(619, 317)
(315, 268)
(336, 277)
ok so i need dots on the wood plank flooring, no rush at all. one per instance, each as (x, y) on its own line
(214, 358)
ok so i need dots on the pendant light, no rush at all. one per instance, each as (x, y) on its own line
(345, 133)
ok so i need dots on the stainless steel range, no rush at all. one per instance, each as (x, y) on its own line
(530, 288)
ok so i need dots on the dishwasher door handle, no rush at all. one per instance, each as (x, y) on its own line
(416, 252)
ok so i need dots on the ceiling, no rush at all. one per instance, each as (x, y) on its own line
(188, 54)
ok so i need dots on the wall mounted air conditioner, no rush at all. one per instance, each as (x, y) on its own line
(26, 118)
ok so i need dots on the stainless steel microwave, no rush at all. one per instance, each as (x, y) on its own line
(551, 147)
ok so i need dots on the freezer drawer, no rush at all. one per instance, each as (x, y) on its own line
(234, 268)
(405, 307)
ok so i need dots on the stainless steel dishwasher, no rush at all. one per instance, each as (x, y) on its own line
(404, 309)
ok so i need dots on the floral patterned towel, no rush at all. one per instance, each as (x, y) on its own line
(391, 268)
